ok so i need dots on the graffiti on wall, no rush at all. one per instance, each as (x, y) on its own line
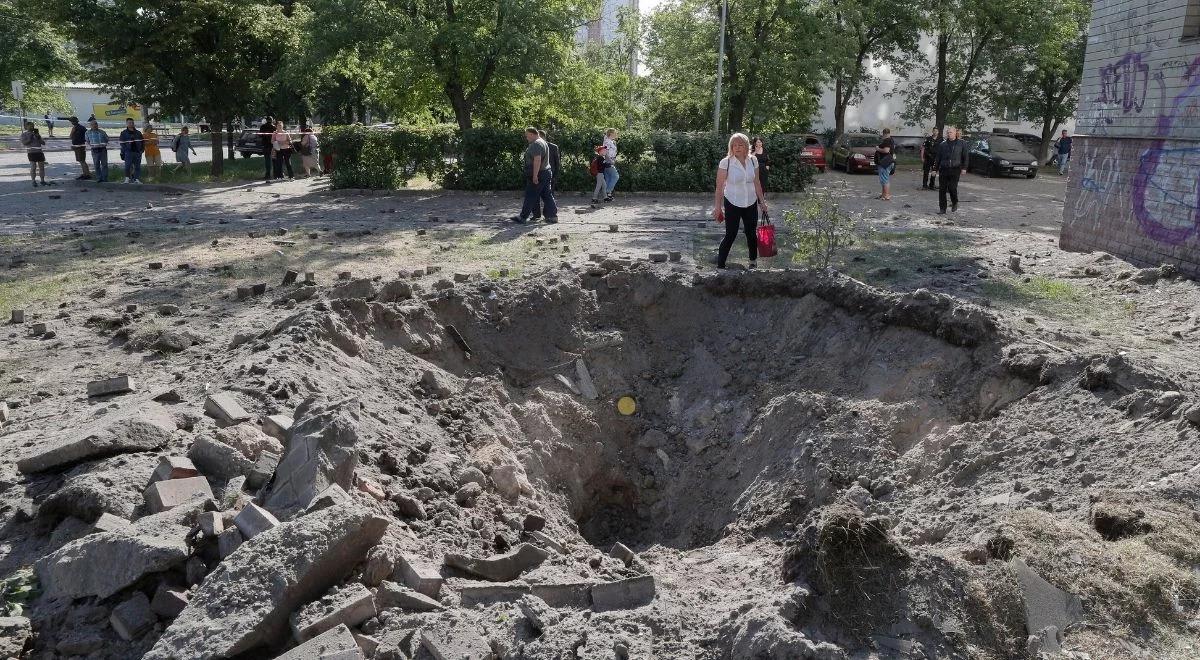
(1163, 196)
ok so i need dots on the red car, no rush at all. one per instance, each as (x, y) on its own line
(855, 152)
(813, 153)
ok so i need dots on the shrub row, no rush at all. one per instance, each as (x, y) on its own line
(490, 158)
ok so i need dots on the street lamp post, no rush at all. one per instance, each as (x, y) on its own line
(720, 69)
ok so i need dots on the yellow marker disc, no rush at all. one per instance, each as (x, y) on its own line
(626, 405)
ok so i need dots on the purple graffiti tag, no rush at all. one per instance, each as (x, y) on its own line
(1170, 215)
(1126, 81)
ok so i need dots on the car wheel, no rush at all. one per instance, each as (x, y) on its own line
(990, 172)
(821, 170)
(245, 154)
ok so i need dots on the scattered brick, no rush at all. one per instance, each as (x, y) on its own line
(164, 495)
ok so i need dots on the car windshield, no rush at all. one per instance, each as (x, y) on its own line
(1005, 144)
(865, 140)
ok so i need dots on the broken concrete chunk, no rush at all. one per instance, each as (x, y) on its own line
(419, 575)
(391, 594)
(132, 618)
(142, 429)
(620, 551)
(219, 460)
(537, 612)
(546, 540)
(322, 647)
(211, 523)
(568, 594)
(366, 643)
(1046, 605)
(500, 568)
(168, 602)
(105, 563)
(107, 522)
(15, 632)
(254, 520)
(331, 496)
(225, 409)
(586, 386)
(4, 414)
(174, 467)
(229, 540)
(250, 440)
(108, 386)
(472, 594)
(349, 605)
(623, 594)
(277, 426)
(322, 451)
(264, 469)
(164, 495)
(253, 593)
(453, 638)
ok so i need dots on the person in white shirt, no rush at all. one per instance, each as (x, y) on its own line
(739, 197)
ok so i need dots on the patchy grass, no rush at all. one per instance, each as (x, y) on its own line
(1047, 296)
(20, 292)
(238, 169)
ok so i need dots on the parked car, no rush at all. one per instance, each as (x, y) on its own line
(249, 143)
(994, 155)
(813, 153)
(908, 147)
(855, 152)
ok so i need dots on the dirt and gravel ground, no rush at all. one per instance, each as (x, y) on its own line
(867, 463)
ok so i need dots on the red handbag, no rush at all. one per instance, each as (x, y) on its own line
(766, 237)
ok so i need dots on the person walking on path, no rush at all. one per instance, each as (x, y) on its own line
(34, 145)
(597, 166)
(555, 170)
(1063, 147)
(738, 198)
(281, 145)
(181, 145)
(764, 161)
(951, 164)
(310, 152)
(611, 175)
(885, 160)
(929, 159)
(49, 125)
(133, 145)
(153, 151)
(537, 179)
(79, 146)
(264, 138)
(97, 143)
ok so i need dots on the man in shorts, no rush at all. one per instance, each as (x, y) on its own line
(79, 146)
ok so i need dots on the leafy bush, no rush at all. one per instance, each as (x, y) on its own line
(17, 591)
(490, 158)
(819, 230)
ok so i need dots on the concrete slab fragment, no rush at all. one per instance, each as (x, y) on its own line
(419, 575)
(349, 605)
(223, 407)
(623, 594)
(163, 495)
(500, 568)
(142, 429)
(109, 386)
(322, 646)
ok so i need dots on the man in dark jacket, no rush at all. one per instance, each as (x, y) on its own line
(929, 160)
(555, 170)
(264, 138)
(951, 163)
(79, 146)
(132, 146)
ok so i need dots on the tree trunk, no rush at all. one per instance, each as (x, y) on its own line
(839, 109)
(939, 103)
(737, 111)
(229, 138)
(218, 156)
(1049, 126)
(462, 107)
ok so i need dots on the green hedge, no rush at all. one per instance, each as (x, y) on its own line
(490, 158)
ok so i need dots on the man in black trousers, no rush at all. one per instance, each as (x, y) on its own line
(929, 159)
(951, 163)
(555, 171)
(264, 138)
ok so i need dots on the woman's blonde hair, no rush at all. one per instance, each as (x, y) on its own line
(734, 138)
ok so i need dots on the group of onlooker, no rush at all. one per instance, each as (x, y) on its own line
(278, 149)
(94, 141)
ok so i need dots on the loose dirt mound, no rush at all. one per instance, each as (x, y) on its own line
(812, 468)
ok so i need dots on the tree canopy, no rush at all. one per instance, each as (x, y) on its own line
(35, 53)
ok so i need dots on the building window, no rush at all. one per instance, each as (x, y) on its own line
(1191, 21)
(1012, 114)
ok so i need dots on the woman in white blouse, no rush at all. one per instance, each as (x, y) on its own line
(739, 196)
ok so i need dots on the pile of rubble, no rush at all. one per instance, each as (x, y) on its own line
(597, 465)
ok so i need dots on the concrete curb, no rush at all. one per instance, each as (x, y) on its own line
(145, 187)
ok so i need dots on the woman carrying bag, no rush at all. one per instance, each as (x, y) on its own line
(738, 198)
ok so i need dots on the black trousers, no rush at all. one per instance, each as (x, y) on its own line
(739, 217)
(267, 161)
(929, 175)
(283, 159)
(949, 186)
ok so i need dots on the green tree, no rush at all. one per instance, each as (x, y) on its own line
(771, 70)
(34, 53)
(966, 35)
(470, 53)
(1039, 75)
(862, 34)
(210, 58)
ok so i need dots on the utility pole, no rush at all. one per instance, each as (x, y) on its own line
(720, 69)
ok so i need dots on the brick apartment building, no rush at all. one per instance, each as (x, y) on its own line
(1134, 187)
